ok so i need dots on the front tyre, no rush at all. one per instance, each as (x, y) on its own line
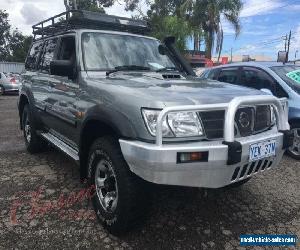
(33, 142)
(120, 197)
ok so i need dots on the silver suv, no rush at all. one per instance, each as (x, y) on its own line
(130, 110)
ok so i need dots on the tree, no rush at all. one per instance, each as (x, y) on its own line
(173, 26)
(90, 5)
(208, 15)
(4, 35)
(18, 46)
(13, 44)
(166, 19)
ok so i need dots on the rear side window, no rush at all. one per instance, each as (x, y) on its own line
(228, 75)
(48, 54)
(33, 56)
(212, 74)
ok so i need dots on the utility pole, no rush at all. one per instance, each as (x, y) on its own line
(288, 47)
(285, 42)
(231, 55)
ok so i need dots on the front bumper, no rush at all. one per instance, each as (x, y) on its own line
(159, 164)
(11, 87)
(228, 160)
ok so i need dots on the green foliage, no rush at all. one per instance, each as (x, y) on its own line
(13, 45)
(19, 46)
(4, 35)
(172, 26)
(208, 15)
(203, 17)
(90, 5)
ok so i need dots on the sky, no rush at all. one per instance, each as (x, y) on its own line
(264, 23)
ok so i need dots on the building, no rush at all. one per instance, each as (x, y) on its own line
(12, 67)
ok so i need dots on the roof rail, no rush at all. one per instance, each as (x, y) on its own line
(81, 19)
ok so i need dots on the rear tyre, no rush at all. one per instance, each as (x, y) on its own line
(121, 199)
(33, 142)
(294, 151)
(2, 91)
(238, 184)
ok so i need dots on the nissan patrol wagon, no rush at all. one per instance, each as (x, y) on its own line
(130, 110)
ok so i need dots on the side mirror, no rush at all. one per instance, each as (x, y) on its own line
(62, 68)
(267, 91)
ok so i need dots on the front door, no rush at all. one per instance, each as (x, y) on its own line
(62, 110)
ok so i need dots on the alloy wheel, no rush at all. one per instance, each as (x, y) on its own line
(27, 130)
(106, 185)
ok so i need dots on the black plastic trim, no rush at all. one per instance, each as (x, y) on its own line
(288, 138)
(234, 152)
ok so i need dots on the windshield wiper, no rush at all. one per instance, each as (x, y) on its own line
(126, 67)
(167, 69)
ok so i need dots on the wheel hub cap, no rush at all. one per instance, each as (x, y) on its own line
(27, 131)
(106, 186)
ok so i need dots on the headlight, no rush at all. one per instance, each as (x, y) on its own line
(176, 124)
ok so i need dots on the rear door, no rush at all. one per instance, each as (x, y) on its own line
(31, 79)
(42, 79)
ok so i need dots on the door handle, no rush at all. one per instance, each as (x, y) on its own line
(63, 103)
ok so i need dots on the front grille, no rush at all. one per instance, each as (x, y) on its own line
(263, 118)
(213, 123)
(249, 169)
(259, 120)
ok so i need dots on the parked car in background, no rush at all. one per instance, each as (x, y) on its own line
(281, 80)
(9, 83)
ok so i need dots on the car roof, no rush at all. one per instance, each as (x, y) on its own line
(254, 64)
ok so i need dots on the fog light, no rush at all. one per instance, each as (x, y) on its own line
(186, 157)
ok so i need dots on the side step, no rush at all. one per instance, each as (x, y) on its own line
(61, 145)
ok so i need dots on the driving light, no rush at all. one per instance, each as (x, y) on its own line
(176, 124)
(188, 157)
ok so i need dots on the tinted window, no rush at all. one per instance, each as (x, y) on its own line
(255, 78)
(33, 56)
(48, 54)
(228, 75)
(67, 49)
(289, 75)
(212, 74)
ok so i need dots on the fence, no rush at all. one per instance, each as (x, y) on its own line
(11, 67)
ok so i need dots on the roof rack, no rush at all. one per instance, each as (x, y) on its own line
(81, 19)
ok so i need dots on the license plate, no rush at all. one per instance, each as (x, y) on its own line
(262, 150)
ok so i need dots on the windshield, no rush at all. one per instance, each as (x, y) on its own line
(289, 74)
(107, 51)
